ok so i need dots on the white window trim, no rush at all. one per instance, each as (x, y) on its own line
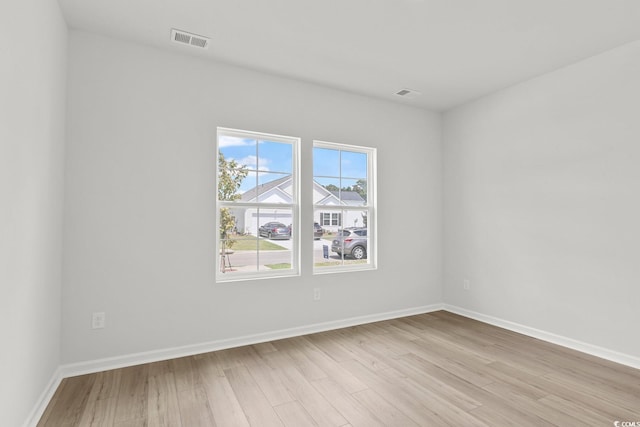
(221, 277)
(371, 207)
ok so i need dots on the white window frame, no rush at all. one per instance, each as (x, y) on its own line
(222, 277)
(370, 207)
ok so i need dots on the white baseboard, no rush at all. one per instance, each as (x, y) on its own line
(594, 350)
(81, 368)
(44, 399)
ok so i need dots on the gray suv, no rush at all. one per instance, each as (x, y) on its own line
(351, 242)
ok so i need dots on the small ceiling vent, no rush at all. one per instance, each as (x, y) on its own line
(182, 37)
(408, 93)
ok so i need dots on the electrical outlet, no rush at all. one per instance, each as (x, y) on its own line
(98, 320)
(466, 284)
(316, 294)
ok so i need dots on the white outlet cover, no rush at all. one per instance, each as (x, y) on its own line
(98, 320)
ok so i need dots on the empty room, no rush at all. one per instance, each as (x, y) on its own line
(320, 213)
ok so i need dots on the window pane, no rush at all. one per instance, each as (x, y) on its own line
(255, 241)
(354, 165)
(276, 236)
(242, 151)
(347, 181)
(326, 191)
(353, 192)
(233, 179)
(254, 187)
(322, 246)
(238, 250)
(343, 245)
(356, 244)
(275, 157)
(238, 255)
(326, 162)
(273, 188)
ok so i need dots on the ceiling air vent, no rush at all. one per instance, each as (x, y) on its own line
(408, 93)
(182, 37)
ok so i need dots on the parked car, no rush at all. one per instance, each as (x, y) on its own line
(352, 242)
(274, 230)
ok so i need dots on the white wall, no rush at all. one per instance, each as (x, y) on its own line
(140, 202)
(542, 209)
(32, 117)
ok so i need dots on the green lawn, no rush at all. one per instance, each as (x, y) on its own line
(327, 264)
(248, 243)
(281, 266)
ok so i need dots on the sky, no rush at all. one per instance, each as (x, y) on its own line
(273, 160)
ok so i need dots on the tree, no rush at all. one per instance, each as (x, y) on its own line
(360, 187)
(230, 176)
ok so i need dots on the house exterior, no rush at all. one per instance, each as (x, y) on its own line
(248, 220)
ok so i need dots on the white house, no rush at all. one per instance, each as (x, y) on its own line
(280, 191)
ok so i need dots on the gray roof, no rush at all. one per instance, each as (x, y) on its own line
(253, 193)
(348, 195)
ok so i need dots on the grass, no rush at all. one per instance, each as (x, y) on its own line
(338, 263)
(327, 264)
(248, 243)
(281, 266)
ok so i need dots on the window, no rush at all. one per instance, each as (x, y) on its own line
(257, 205)
(344, 203)
(329, 218)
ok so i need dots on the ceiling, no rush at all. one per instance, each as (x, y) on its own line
(452, 51)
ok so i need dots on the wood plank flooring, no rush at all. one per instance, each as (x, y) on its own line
(436, 369)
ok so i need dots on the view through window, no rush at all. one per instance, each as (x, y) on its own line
(344, 206)
(257, 204)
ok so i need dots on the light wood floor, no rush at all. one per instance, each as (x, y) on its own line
(430, 370)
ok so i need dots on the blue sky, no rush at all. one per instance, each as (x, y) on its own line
(273, 160)
(335, 163)
(262, 156)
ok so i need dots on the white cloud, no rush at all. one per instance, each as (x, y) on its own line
(252, 162)
(233, 141)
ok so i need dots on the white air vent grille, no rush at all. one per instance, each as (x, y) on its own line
(183, 37)
(408, 93)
